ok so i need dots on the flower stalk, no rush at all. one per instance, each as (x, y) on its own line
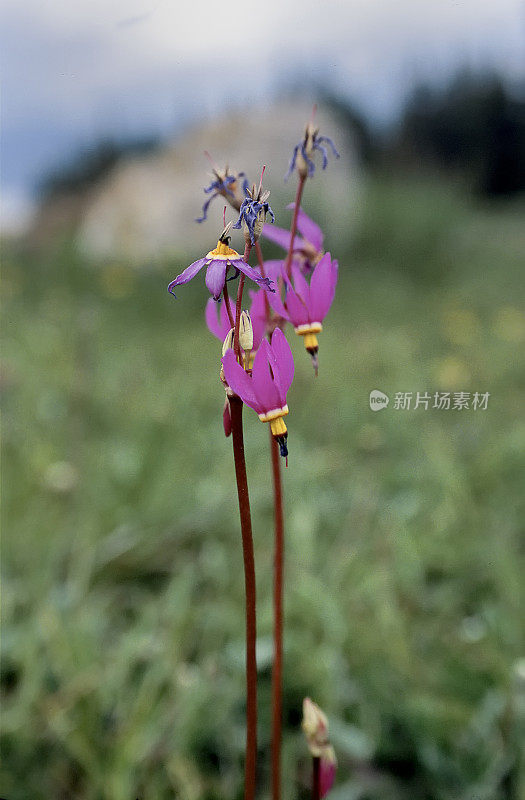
(236, 406)
(293, 229)
(277, 669)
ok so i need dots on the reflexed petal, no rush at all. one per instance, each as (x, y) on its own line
(300, 284)
(322, 288)
(309, 229)
(297, 312)
(277, 305)
(258, 316)
(252, 273)
(280, 236)
(265, 390)
(215, 275)
(283, 355)
(239, 381)
(188, 273)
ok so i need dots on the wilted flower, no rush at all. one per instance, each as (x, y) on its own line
(253, 212)
(217, 262)
(265, 389)
(302, 158)
(315, 727)
(308, 248)
(306, 305)
(225, 184)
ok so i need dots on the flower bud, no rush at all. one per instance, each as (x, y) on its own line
(245, 331)
(315, 727)
(228, 342)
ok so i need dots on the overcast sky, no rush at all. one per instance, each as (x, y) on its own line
(74, 71)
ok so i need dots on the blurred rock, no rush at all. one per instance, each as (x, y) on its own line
(145, 209)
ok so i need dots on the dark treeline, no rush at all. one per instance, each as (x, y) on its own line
(472, 127)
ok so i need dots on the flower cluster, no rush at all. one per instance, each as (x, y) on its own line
(257, 370)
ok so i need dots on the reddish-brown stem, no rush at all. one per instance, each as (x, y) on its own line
(226, 298)
(249, 579)
(260, 259)
(238, 307)
(316, 778)
(277, 671)
(293, 229)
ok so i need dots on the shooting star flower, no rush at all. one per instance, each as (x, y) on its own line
(306, 305)
(217, 263)
(231, 186)
(315, 727)
(253, 212)
(265, 389)
(307, 248)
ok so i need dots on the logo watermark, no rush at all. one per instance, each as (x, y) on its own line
(441, 401)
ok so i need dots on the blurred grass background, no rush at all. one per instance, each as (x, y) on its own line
(123, 589)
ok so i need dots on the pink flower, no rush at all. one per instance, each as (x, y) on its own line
(308, 247)
(305, 304)
(265, 389)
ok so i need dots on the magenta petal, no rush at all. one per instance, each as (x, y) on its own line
(300, 285)
(239, 381)
(273, 269)
(265, 390)
(309, 229)
(212, 320)
(188, 273)
(322, 288)
(327, 776)
(297, 311)
(215, 275)
(283, 355)
(277, 305)
(281, 237)
(258, 316)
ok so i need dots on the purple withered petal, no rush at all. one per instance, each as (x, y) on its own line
(322, 149)
(187, 274)
(215, 277)
(309, 229)
(265, 390)
(240, 382)
(283, 354)
(322, 288)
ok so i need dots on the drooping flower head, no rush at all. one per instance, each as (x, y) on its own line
(307, 248)
(315, 727)
(230, 185)
(305, 304)
(265, 388)
(253, 212)
(303, 152)
(218, 262)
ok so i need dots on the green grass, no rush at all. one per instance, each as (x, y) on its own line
(123, 590)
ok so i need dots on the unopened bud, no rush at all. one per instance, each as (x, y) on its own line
(228, 342)
(315, 727)
(246, 331)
